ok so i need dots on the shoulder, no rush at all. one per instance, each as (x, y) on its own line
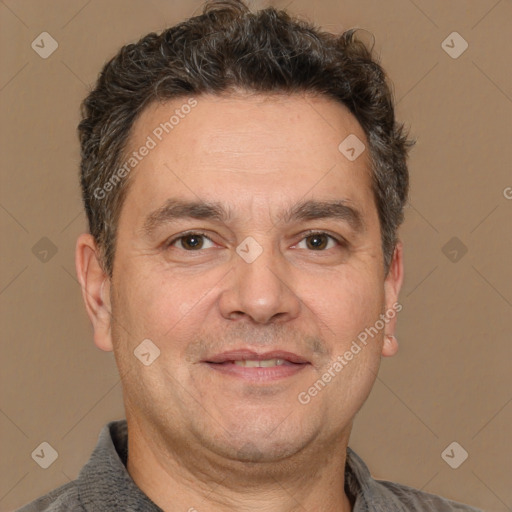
(381, 495)
(419, 501)
(64, 498)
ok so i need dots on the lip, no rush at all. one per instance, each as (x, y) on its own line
(223, 363)
(242, 354)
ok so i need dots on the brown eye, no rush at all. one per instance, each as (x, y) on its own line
(319, 241)
(191, 242)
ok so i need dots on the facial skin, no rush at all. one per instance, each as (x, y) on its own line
(226, 441)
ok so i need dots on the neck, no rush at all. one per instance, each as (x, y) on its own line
(195, 479)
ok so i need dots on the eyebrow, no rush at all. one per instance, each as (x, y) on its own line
(174, 209)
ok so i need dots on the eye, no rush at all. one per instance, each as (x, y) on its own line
(191, 242)
(315, 241)
(318, 242)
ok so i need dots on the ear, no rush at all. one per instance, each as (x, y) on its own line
(392, 286)
(95, 289)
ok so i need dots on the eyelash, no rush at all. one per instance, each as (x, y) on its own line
(339, 240)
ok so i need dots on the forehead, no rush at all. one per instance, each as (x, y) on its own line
(244, 148)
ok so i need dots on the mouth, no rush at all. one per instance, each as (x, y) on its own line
(250, 365)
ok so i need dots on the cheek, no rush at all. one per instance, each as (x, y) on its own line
(165, 305)
(346, 303)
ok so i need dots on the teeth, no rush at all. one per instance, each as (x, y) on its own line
(266, 363)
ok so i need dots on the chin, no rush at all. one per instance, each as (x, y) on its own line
(267, 452)
(268, 441)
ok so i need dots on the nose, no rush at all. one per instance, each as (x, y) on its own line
(260, 291)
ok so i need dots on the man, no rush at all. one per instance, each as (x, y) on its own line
(244, 179)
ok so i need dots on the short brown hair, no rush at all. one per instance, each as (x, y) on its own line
(229, 48)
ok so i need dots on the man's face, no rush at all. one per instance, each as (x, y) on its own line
(248, 259)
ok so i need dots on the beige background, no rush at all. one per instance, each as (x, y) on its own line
(451, 379)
